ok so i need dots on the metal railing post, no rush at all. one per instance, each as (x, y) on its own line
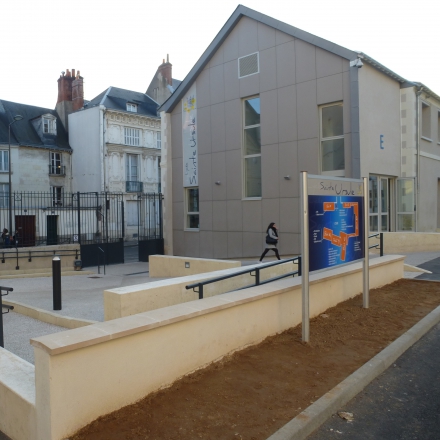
(299, 266)
(257, 277)
(200, 291)
(381, 243)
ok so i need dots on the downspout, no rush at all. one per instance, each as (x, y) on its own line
(418, 93)
(102, 146)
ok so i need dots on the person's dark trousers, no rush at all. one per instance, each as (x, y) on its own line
(269, 249)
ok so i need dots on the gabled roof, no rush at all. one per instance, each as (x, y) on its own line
(24, 132)
(117, 99)
(243, 11)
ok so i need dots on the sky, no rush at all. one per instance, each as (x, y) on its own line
(121, 43)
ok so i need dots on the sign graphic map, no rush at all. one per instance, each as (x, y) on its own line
(335, 227)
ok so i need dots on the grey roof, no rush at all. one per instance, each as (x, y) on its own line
(243, 11)
(24, 132)
(117, 99)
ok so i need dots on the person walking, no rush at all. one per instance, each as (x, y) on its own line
(271, 241)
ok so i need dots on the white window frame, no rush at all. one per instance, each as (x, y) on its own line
(132, 136)
(4, 161)
(132, 162)
(188, 212)
(158, 140)
(49, 125)
(335, 173)
(57, 195)
(56, 163)
(4, 195)
(248, 156)
(131, 107)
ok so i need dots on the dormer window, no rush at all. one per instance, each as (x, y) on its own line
(132, 107)
(49, 124)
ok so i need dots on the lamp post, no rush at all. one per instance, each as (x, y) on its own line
(15, 119)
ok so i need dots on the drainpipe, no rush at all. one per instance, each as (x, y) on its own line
(418, 93)
(102, 146)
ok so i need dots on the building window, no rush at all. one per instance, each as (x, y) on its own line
(4, 195)
(55, 166)
(426, 121)
(131, 107)
(49, 125)
(192, 208)
(132, 173)
(158, 139)
(4, 160)
(332, 140)
(252, 147)
(131, 136)
(57, 195)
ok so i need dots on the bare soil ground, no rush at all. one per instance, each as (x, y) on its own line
(254, 392)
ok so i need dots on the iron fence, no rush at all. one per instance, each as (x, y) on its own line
(55, 217)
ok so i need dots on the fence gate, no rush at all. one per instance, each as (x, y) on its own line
(100, 227)
(150, 225)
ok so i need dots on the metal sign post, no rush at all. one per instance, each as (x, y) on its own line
(334, 230)
(305, 257)
(366, 262)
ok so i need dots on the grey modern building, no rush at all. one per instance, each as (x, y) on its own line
(267, 100)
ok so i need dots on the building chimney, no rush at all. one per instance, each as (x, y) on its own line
(78, 92)
(166, 69)
(65, 87)
(70, 95)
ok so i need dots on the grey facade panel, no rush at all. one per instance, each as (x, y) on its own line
(270, 171)
(269, 117)
(268, 69)
(285, 64)
(305, 61)
(329, 89)
(266, 37)
(218, 127)
(233, 175)
(231, 81)
(233, 114)
(287, 114)
(307, 110)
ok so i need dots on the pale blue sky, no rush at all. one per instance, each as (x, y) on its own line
(121, 43)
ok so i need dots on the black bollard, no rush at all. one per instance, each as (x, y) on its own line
(56, 283)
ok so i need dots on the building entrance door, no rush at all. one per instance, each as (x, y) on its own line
(379, 203)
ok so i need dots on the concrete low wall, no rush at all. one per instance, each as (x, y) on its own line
(126, 301)
(126, 359)
(41, 258)
(407, 242)
(161, 266)
(17, 397)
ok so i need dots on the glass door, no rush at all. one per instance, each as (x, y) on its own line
(379, 203)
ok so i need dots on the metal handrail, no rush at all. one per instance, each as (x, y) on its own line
(29, 254)
(380, 245)
(4, 306)
(200, 284)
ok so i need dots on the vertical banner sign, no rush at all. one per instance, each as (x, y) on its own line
(336, 221)
(189, 139)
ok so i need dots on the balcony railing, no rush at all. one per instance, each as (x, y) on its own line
(132, 186)
(57, 170)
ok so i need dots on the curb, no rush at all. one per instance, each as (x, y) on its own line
(47, 316)
(316, 414)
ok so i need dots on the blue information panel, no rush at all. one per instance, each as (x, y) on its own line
(336, 226)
